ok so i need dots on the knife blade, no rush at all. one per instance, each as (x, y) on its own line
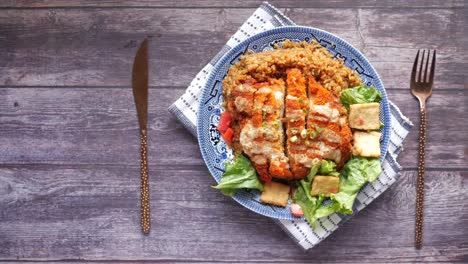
(140, 83)
(140, 94)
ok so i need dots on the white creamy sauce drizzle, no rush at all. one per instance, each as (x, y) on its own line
(325, 110)
(244, 88)
(259, 159)
(264, 90)
(271, 149)
(279, 96)
(295, 114)
(242, 104)
(303, 159)
(330, 136)
(265, 149)
(325, 151)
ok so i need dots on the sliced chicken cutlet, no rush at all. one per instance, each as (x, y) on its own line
(242, 98)
(327, 117)
(239, 105)
(262, 136)
(295, 118)
(316, 125)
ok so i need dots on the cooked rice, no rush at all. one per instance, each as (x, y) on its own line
(312, 59)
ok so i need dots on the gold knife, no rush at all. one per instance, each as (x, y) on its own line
(140, 93)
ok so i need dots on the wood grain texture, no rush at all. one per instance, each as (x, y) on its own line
(99, 126)
(227, 3)
(95, 47)
(69, 139)
(86, 212)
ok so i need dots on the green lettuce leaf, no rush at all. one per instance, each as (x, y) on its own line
(360, 95)
(360, 170)
(303, 198)
(323, 211)
(328, 168)
(354, 175)
(239, 174)
(344, 202)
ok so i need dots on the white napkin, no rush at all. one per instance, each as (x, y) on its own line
(186, 108)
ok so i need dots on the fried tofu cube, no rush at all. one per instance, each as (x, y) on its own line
(364, 116)
(366, 144)
(325, 185)
(275, 193)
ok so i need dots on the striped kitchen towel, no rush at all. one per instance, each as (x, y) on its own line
(185, 109)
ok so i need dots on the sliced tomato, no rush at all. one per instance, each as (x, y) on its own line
(361, 121)
(296, 210)
(333, 190)
(228, 134)
(224, 122)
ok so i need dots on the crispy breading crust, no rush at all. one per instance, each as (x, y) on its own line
(303, 62)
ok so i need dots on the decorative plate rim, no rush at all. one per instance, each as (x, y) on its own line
(242, 46)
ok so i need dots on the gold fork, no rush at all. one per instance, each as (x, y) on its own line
(421, 88)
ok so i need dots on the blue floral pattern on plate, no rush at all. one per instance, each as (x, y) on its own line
(214, 150)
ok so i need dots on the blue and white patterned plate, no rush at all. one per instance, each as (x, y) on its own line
(213, 148)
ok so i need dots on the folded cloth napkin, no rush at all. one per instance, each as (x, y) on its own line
(185, 109)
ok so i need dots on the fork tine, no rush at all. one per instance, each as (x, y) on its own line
(420, 66)
(427, 64)
(431, 74)
(415, 66)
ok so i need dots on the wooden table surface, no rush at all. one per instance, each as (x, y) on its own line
(69, 142)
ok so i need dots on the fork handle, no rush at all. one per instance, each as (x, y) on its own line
(145, 198)
(420, 182)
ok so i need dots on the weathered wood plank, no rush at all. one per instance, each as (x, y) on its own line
(390, 40)
(91, 213)
(73, 130)
(99, 126)
(69, 175)
(226, 3)
(95, 47)
(444, 123)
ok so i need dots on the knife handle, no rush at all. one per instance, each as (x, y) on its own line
(145, 198)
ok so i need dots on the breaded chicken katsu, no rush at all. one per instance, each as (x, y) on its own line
(286, 114)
